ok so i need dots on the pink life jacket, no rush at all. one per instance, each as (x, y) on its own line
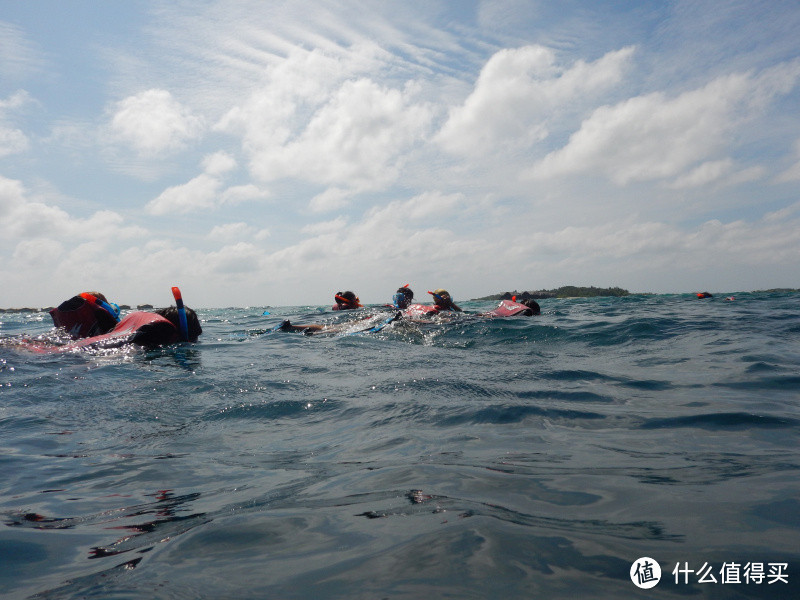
(420, 310)
(141, 328)
(508, 308)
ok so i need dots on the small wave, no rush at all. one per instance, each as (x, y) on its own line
(514, 414)
(272, 410)
(720, 421)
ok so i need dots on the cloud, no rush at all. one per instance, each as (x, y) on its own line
(793, 172)
(199, 193)
(717, 171)
(230, 232)
(218, 163)
(654, 137)
(19, 57)
(324, 228)
(204, 191)
(238, 259)
(12, 140)
(430, 204)
(24, 219)
(242, 193)
(38, 252)
(519, 92)
(49, 249)
(268, 115)
(784, 213)
(153, 122)
(12, 196)
(355, 140)
(331, 199)
(318, 116)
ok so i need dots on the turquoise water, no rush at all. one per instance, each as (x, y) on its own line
(507, 458)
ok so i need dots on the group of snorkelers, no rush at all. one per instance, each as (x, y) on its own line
(404, 307)
(91, 320)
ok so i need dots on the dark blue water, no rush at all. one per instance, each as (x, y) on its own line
(507, 458)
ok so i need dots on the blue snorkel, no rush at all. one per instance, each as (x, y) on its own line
(183, 325)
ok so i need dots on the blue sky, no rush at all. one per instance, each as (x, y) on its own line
(273, 153)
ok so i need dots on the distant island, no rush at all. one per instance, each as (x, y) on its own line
(567, 291)
(49, 308)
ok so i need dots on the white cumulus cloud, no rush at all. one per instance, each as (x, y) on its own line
(199, 193)
(153, 122)
(519, 91)
(230, 231)
(12, 139)
(655, 137)
(355, 140)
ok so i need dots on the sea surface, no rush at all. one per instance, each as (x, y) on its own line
(523, 457)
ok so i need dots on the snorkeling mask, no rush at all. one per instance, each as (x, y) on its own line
(400, 300)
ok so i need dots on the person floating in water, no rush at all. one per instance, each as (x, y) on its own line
(83, 318)
(442, 303)
(401, 299)
(512, 308)
(346, 301)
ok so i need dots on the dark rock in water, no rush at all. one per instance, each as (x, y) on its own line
(144, 307)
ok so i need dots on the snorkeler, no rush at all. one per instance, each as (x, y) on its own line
(443, 301)
(346, 301)
(401, 300)
(158, 328)
(512, 308)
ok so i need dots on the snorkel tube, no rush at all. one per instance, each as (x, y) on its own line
(349, 302)
(92, 299)
(183, 325)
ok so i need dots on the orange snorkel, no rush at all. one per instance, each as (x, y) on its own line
(347, 301)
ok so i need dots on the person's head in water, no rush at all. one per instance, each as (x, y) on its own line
(403, 297)
(171, 314)
(86, 315)
(533, 306)
(442, 300)
(346, 300)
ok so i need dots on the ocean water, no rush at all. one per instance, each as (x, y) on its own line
(526, 457)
